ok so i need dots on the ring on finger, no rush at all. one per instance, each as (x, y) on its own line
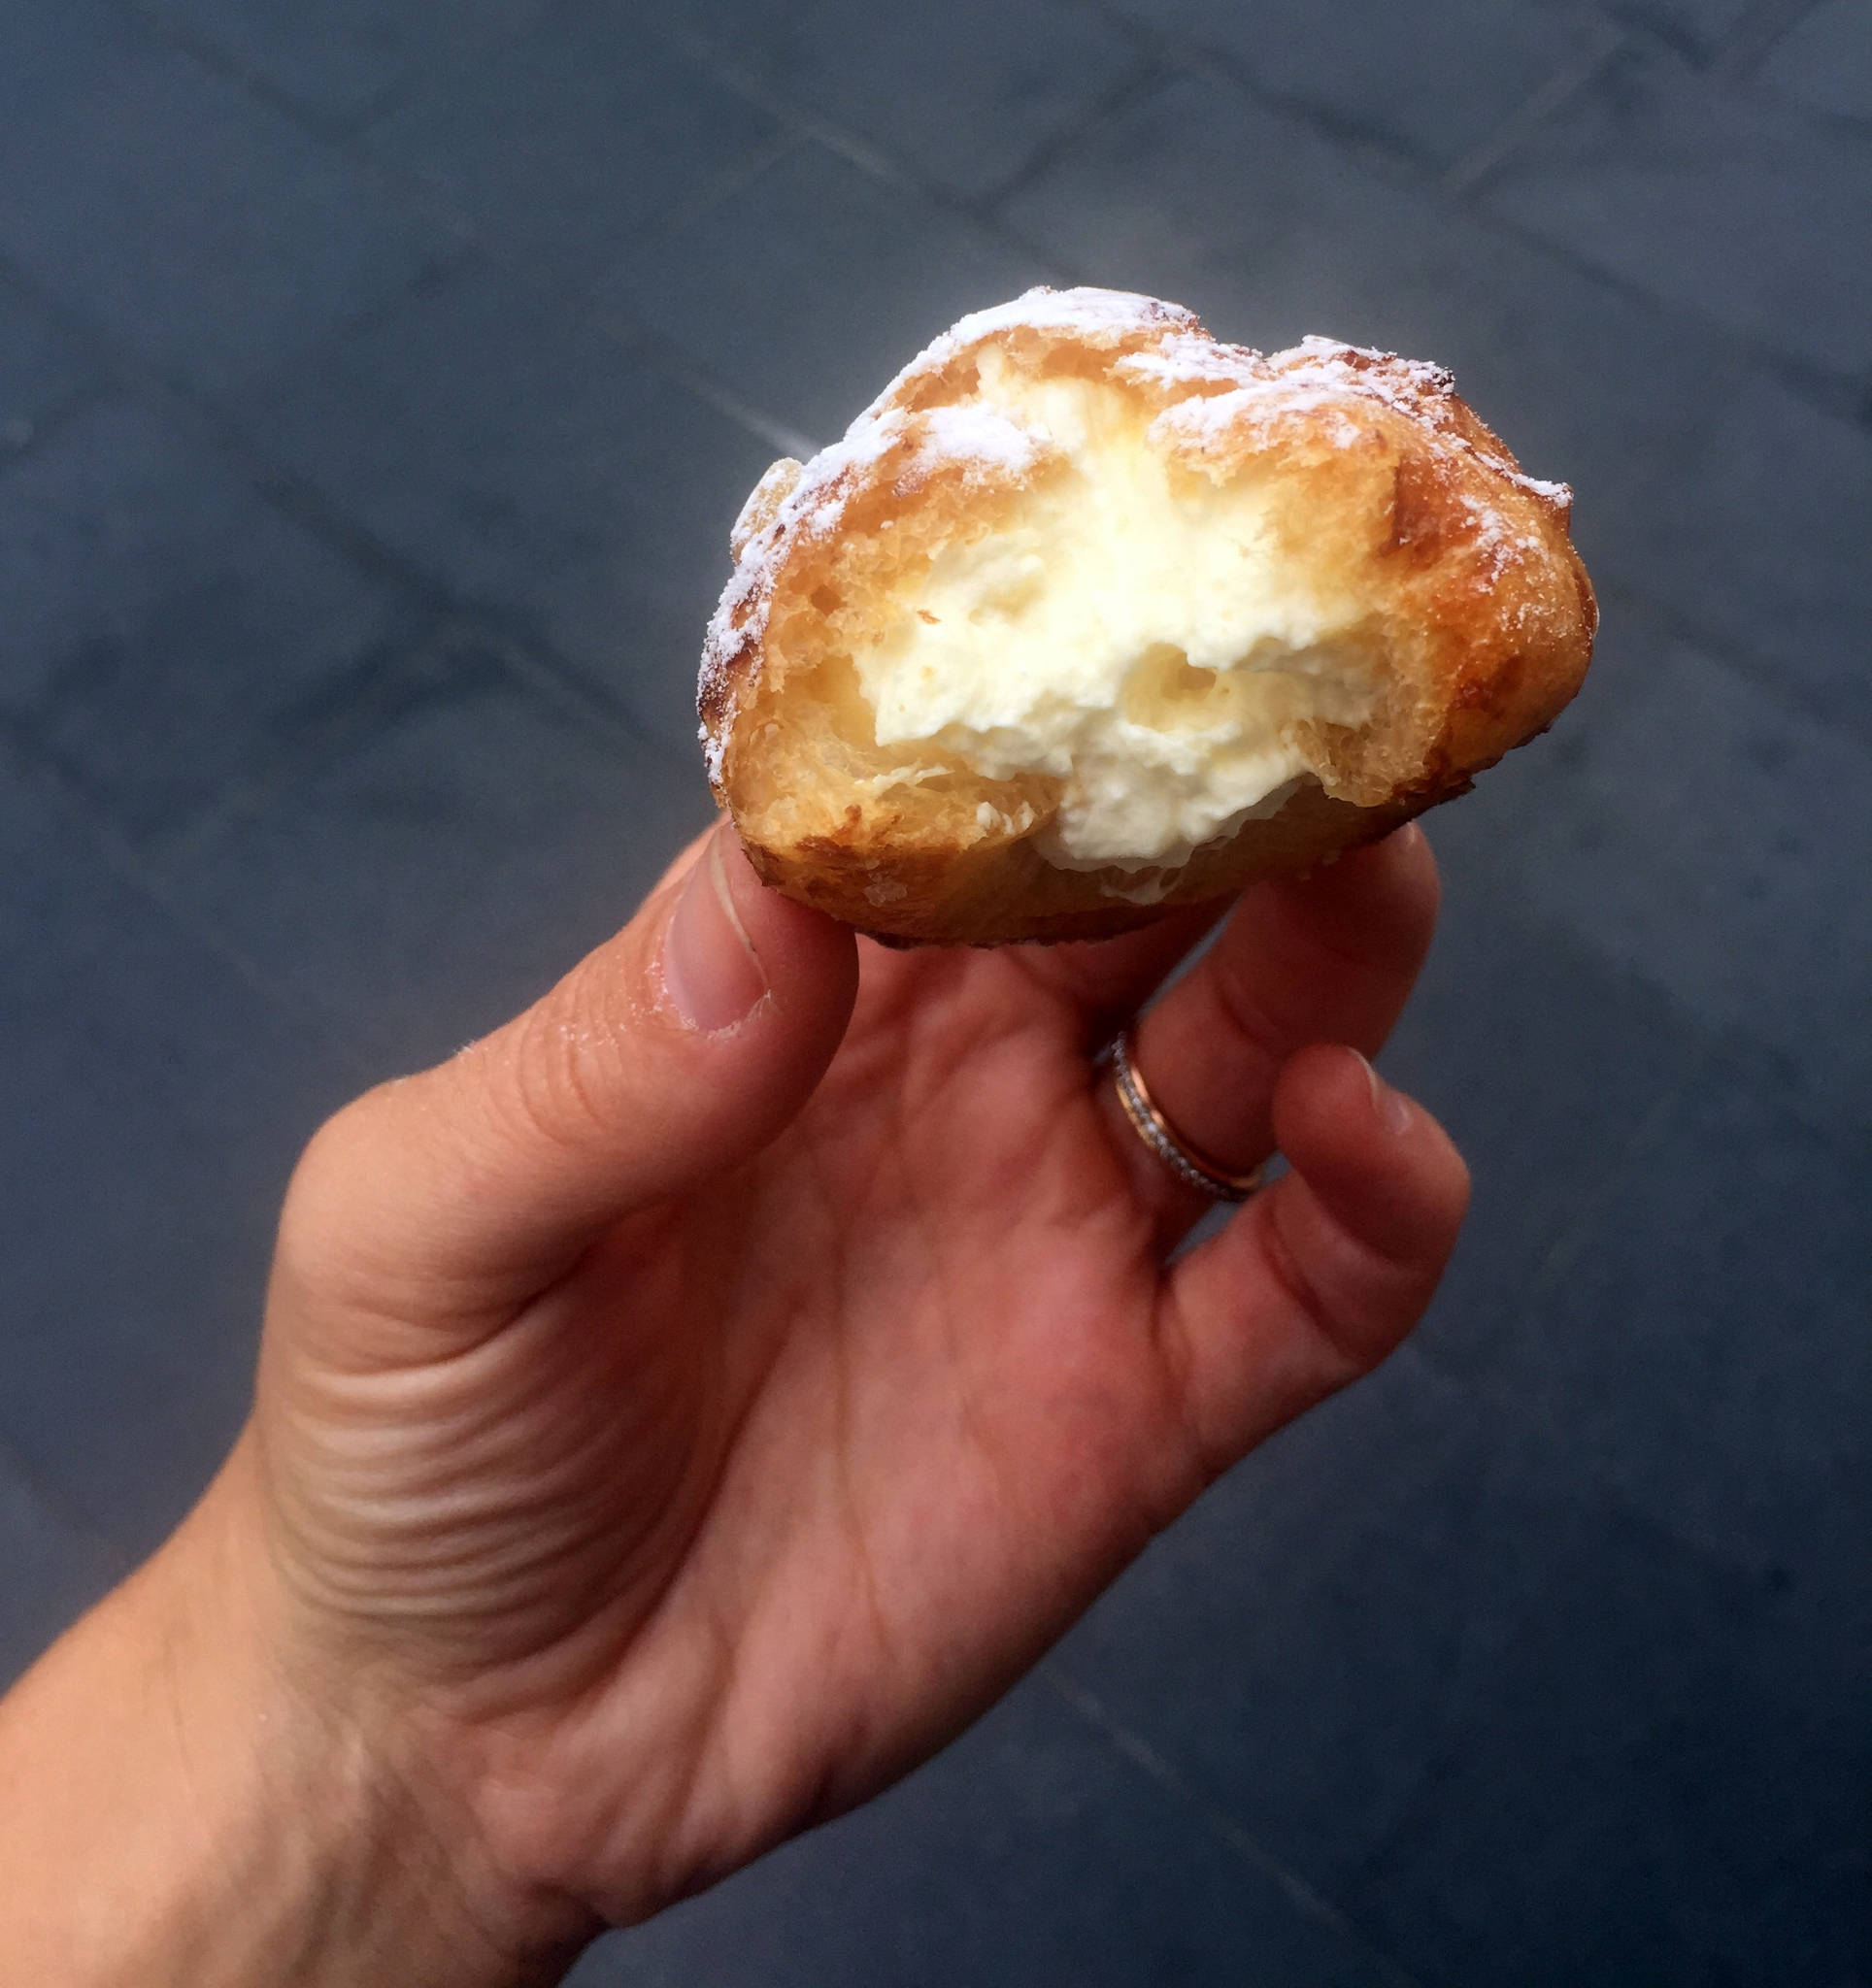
(1195, 1170)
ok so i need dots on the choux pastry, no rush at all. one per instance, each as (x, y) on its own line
(1090, 615)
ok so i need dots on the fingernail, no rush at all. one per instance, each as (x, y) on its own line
(1393, 1108)
(711, 971)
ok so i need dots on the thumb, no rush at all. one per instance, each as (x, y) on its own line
(670, 1055)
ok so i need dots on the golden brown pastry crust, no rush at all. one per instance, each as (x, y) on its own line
(1381, 481)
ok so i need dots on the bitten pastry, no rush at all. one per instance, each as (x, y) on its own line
(1090, 614)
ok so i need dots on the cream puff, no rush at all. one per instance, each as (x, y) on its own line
(1090, 615)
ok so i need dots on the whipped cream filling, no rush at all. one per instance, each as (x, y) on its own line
(1133, 631)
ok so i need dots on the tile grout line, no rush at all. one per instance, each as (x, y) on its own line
(354, 541)
(1752, 41)
(1382, 158)
(212, 426)
(1838, 396)
(805, 125)
(1547, 101)
(1185, 54)
(725, 186)
(470, 240)
(343, 534)
(160, 19)
(371, 700)
(858, 151)
(1831, 394)
(121, 856)
(1093, 1711)
(428, 202)
(1365, 151)
(223, 61)
(531, 664)
(1140, 78)
(339, 532)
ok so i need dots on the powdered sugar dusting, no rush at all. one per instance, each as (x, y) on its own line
(1098, 318)
(1554, 493)
(1413, 387)
(984, 446)
(1427, 376)
(1211, 392)
(1500, 544)
(1193, 361)
(979, 438)
(1213, 424)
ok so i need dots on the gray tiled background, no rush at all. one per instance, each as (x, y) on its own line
(378, 381)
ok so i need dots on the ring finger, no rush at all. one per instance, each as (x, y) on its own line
(1329, 959)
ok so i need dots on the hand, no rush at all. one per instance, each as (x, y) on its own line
(685, 1409)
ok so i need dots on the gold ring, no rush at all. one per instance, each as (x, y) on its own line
(1150, 1125)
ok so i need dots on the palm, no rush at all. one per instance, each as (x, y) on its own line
(944, 1307)
(790, 1475)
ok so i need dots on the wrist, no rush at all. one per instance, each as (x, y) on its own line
(187, 1795)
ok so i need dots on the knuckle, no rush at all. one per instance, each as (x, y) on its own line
(1349, 1313)
(1232, 988)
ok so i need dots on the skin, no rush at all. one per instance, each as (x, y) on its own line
(683, 1411)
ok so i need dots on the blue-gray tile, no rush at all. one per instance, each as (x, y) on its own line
(1826, 62)
(1299, 1645)
(569, 143)
(48, 53)
(1586, 384)
(1545, 1061)
(427, 886)
(42, 371)
(153, 1103)
(1031, 1853)
(51, 1569)
(1542, 1654)
(1754, 532)
(1664, 1780)
(194, 224)
(1697, 831)
(341, 59)
(1700, 485)
(965, 96)
(170, 635)
(1703, 1344)
(537, 470)
(1708, 199)
(805, 292)
(1438, 78)
(1696, 28)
